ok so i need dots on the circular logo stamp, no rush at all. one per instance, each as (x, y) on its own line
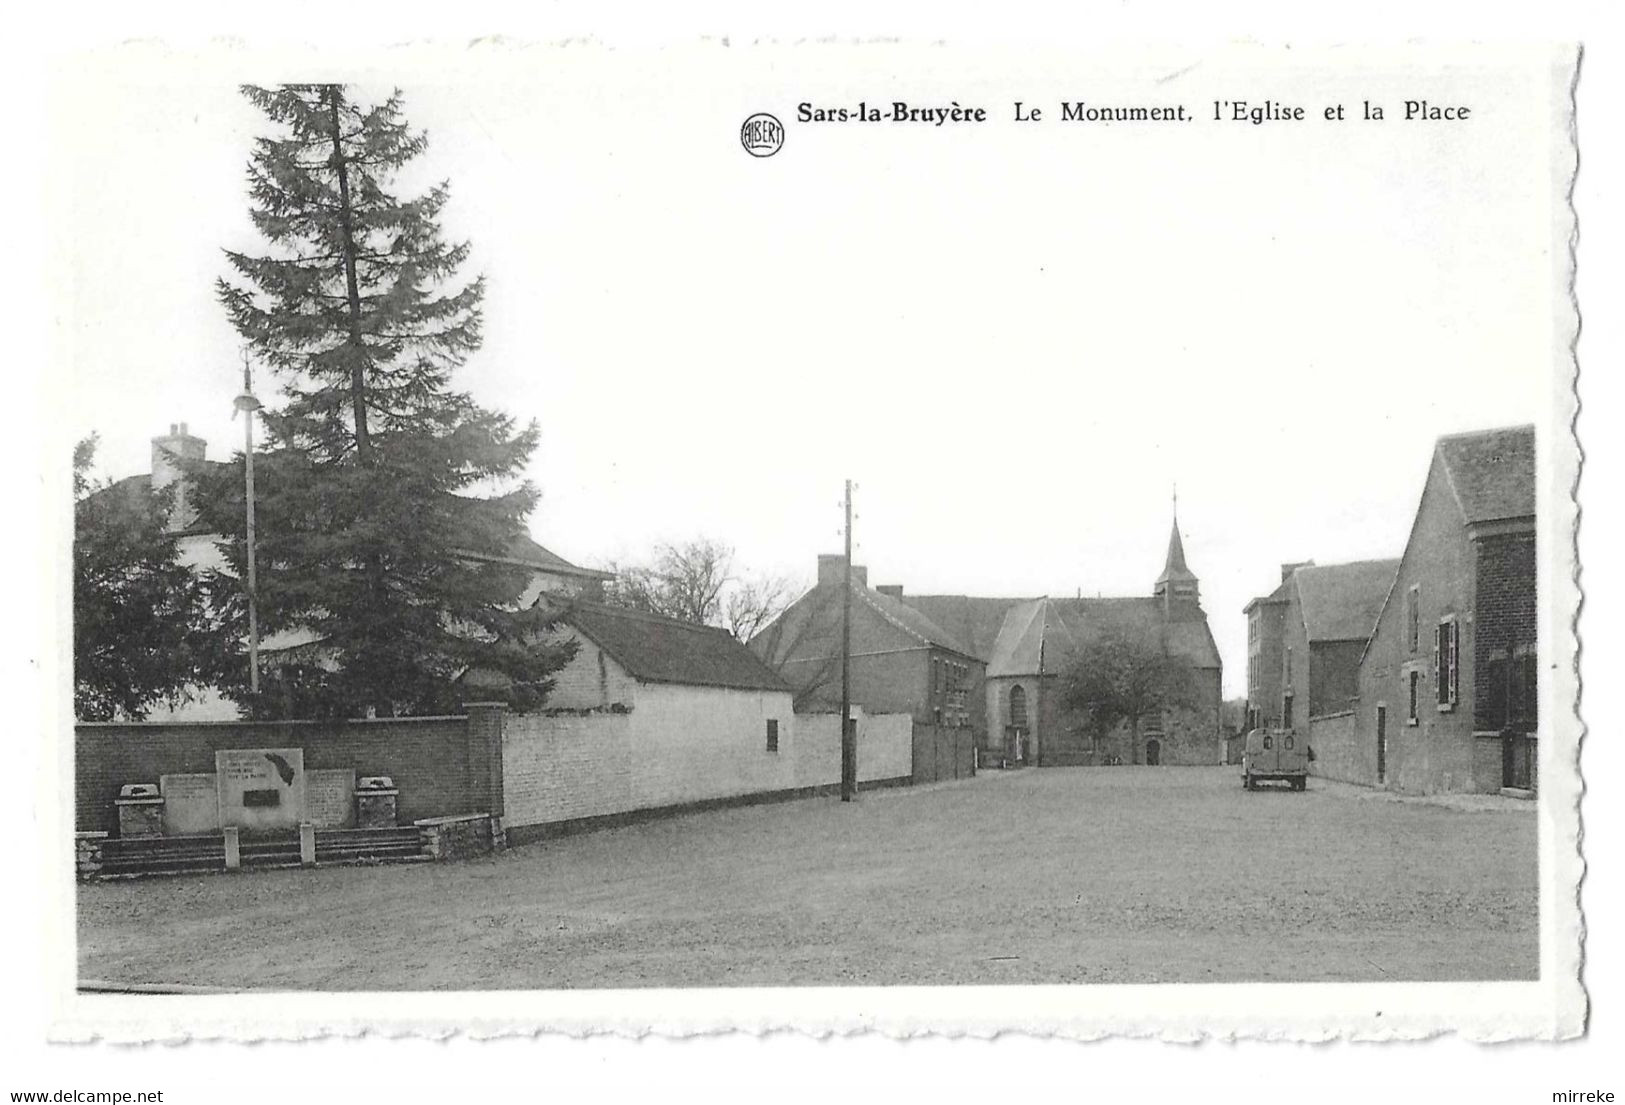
(761, 135)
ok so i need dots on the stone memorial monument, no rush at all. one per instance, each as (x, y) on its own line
(191, 803)
(261, 790)
(330, 797)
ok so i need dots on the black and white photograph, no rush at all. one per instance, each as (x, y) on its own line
(815, 537)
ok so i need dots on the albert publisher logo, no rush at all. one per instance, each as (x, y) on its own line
(761, 135)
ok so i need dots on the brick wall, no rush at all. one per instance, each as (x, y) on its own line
(680, 749)
(562, 767)
(429, 759)
(1506, 615)
(691, 744)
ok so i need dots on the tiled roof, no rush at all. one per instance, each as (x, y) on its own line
(1340, 602)
(664, 650)
(974, 622)
(910, 620)
(1063, 625)
(523, 549)
(1492, 472)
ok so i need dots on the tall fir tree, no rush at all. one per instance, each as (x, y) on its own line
(386, 499)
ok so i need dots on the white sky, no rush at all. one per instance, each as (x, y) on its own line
(1017, 339)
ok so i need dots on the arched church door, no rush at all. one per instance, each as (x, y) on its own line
(1153, 752)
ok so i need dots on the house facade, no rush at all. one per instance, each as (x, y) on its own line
(548, 573)
(1266, 654)
(702, 716)
(1305, 640)
(901, 662)
(1447, 682)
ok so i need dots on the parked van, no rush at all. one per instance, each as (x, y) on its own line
(1275, 755)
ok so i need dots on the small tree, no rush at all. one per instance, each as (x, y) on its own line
(1125, 677)
(140, 625)
(697, 581)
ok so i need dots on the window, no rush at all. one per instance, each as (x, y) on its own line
(772, 734)
(1018, 707)
(1286, 712)
(1414, 679)
(1446, 649)
(1413, 617)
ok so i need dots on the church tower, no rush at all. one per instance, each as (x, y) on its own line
(1177, 587)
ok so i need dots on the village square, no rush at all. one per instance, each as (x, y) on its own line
(335, 690)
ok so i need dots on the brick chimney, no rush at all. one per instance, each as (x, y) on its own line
(832, 567)
(168, 451)
(1288, 569)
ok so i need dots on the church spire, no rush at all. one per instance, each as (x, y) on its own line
(1177, 581)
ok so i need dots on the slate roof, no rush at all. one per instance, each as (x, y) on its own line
(1064, 625)
(1492, 472)
(972, 621)
(664, 650)
(522, 548)
(910, 620)
(1340, 602)
(1175, 568)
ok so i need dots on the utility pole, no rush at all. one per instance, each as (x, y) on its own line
(849, 736)
(248, 405)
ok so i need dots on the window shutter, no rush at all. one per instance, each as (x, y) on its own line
(1455, 654)
(1438, 663)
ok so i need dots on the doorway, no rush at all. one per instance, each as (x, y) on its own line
(1153, 752)
(1382, 743)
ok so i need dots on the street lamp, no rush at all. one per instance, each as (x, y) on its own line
(248, 405)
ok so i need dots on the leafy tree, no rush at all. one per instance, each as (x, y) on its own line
(386, 499)
(1122, 676)
(140, 623)
(698, 581)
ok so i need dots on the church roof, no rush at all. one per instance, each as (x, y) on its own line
(1175, 568)
(973, 621)
(1043, 633)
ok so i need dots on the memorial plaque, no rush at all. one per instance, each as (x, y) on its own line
(262, 790)
(330, 797)
(191, 803)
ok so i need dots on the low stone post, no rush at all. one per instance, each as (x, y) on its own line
(234, 851)
(140, 810)
(307, 844)
(376, 802)
(87, 854)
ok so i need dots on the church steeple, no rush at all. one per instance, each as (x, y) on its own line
(1177, 583)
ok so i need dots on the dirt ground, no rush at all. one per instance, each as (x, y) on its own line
(1055, 875)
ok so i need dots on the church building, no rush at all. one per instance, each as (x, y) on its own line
(1028, 645)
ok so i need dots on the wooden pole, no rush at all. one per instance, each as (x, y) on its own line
(849, 738)
(248, 405)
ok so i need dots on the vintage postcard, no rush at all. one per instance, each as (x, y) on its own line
(834, 536)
